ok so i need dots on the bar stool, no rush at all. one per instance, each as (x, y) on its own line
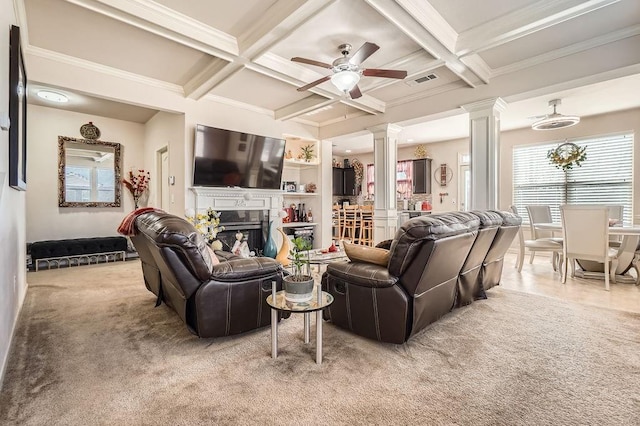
(365, 236)
(336, 229)
(349, 222)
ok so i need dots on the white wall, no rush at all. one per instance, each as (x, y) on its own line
(47, 221)
(164, 130)
(589, 126)
(13, 286)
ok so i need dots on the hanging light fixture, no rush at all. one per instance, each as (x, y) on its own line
(555, 120)
(345, 80)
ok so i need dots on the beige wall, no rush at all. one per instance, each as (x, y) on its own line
(47, 221)
(589, 126)
(13, 285)
(164, 130)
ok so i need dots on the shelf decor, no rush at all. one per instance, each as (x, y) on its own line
(566, 155)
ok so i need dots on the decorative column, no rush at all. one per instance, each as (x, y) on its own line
(385, 215)
(484, 123)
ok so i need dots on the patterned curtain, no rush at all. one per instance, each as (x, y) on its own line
(404, 177)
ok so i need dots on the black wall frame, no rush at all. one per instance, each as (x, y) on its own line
(17, 114)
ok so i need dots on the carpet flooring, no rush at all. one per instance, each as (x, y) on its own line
(91, 349)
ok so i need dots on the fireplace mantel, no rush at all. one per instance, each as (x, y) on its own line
(221, 198)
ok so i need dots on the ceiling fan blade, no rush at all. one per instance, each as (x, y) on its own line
(311, 62)
(376, 72)
(313, 83)
(363, 53)
(355, 93)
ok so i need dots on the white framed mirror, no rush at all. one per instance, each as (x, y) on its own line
(88, 173)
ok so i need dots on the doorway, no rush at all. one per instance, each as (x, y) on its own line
(163, 172)
(464, 182)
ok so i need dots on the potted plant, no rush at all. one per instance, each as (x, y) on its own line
(298, 287)
(307, 152)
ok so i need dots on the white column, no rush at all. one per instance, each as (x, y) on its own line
(385, 216)
(484, 123)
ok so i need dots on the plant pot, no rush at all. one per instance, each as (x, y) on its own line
(298, 288)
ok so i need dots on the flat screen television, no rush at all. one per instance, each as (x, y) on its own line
(228, 158)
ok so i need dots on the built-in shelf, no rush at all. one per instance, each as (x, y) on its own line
(301, 194)
(300, 163)
(296, 224)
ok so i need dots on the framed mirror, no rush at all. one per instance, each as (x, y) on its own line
(88, 173)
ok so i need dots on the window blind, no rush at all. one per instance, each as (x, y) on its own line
(605, 177)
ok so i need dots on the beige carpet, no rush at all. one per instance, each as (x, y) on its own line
(91, 349)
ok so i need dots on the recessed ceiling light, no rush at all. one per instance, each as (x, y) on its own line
(347, 151)
(52, 96)
(409, 140)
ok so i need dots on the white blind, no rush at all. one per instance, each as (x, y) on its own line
(605, 177)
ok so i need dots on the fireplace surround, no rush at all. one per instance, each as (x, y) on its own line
(241, 210)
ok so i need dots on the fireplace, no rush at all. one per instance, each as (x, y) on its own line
(241, 210)
(251, 223)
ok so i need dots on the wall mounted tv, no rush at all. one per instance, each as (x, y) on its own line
(228, 158)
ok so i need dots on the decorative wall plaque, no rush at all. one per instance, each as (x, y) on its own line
(89, 131)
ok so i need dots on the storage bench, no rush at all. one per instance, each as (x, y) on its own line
(78, 251)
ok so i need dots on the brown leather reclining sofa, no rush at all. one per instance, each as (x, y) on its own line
(213, 300)
(437, 262)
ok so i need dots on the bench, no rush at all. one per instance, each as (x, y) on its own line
(78, 251)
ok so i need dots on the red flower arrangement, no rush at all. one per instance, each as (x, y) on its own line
(137, 184)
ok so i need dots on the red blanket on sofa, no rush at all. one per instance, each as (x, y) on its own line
(126, 227)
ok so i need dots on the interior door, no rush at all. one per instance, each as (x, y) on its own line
(464, 187)
(165, 202)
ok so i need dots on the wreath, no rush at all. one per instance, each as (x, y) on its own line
(358, 168)
(566, 155)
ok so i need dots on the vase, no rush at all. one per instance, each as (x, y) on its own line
(283, 255)
(298, 288)
(269, 249)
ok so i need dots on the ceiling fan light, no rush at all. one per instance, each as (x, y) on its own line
(556, 121)
(345, 80)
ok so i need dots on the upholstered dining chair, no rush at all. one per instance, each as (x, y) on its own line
(540, 214)
(585, 231)
(543, 245)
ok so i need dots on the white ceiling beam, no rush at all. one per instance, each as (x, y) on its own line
(211, 76)
(277, 23)
(302, 106)
(164, 22)
(274, 25)
(427, 16)
(522, 22)
(420, 30)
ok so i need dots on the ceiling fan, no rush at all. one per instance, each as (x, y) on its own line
(347, 70)
(555, 120)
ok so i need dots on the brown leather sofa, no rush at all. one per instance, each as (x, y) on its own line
(436, 262)
(213, 300)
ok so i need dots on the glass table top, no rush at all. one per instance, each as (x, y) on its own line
(283, 304)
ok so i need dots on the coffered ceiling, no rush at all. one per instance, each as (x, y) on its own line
(454, 51)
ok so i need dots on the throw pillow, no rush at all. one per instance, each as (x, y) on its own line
(214, 258)
(366, 254)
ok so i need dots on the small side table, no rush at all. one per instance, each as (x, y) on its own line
(318, 302)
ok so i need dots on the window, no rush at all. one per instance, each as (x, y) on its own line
(604, 178)
(82, 182)
(404, 179)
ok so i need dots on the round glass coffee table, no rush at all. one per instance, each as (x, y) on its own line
(318, 302)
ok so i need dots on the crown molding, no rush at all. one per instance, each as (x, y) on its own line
(495, 104)
(568, 50)
(238, 104)
(454, 85)
(523, 22)
(165, 22)
(102, 69)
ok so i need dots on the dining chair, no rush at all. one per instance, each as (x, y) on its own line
(540, 214)
(585, 231)
(533, 245)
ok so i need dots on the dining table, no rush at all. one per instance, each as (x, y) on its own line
(627, 257)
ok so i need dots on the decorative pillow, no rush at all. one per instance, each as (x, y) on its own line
(214, 258)
(386, 244)
(366, 254)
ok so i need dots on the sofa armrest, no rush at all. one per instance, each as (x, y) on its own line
(362, 274)
(240, 268)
